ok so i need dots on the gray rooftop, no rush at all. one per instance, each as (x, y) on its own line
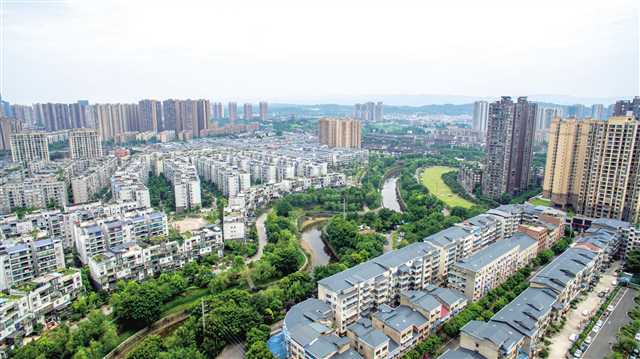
(326, 345)
(495, 250)
(563, 269)
(447, 236)
(303, 321)
(376, 266)
(364, 331)
(460, 353)
(400, 318)
(500, 334)
(524, 312)
(422, 299)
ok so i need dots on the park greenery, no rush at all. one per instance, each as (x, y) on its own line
(92, 337)
(161, 193)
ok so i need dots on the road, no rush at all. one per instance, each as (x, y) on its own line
(262, 237)
(601, 345)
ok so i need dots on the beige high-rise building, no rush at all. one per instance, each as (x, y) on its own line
(594, 167)
(339, 132)
(29, 147)
(85, 143)
(566, 155)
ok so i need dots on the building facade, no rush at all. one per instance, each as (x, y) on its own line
(509, 147)
(335, 132)
(85, 143)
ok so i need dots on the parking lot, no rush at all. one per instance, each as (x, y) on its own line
(560, 343)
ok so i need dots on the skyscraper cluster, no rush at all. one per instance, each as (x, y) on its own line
(593, 166)
(339, 132)
(189, 118)
(509, 147)
(368, 111)
(62, 116)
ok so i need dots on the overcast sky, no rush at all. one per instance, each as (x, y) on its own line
(312, 51)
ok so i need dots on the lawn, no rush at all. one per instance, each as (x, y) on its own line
(537, 201)
(432, 178)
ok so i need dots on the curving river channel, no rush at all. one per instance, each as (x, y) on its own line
(312, 241)
(389, 194)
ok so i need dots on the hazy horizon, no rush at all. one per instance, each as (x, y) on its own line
(331, 52)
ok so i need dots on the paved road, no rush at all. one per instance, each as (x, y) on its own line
(262, 237)
(601, 345)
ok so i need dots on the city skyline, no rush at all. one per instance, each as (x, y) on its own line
(257, 62)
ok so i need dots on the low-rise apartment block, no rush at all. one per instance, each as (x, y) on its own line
(142, 259)
(28, 257)
(518, 328)
(128, 184)
(97, 236)
(186, 183)
(480, 273)
(40, 300)
(359, 290)
(36, 191)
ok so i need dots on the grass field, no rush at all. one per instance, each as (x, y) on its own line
(431, 177)
(537, 201)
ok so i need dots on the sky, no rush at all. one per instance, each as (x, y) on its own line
(337, 51)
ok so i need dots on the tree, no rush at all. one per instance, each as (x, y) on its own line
(136, 305)
(283, 207)
(150, 348)
(632, 264)
(259, 350)
(545, 256)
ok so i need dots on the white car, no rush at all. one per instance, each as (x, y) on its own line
(599, 323)
(596, 329)
(588, 340)
(611, 308)
(577, 354)
(638, 337)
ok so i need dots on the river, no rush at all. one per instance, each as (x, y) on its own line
(313, 243)
(389, 195)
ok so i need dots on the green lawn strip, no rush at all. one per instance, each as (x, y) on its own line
(540, 202)
(594, 320)
(183, 301)
(431, 178)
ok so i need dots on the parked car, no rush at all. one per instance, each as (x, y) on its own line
(611, 308)
(573, 337)
(588, 340)
(596, 329)
(584, 347)
(638, 337)
(599, 323)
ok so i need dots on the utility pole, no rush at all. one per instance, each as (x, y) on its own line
(344, 207)
(203, 324)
